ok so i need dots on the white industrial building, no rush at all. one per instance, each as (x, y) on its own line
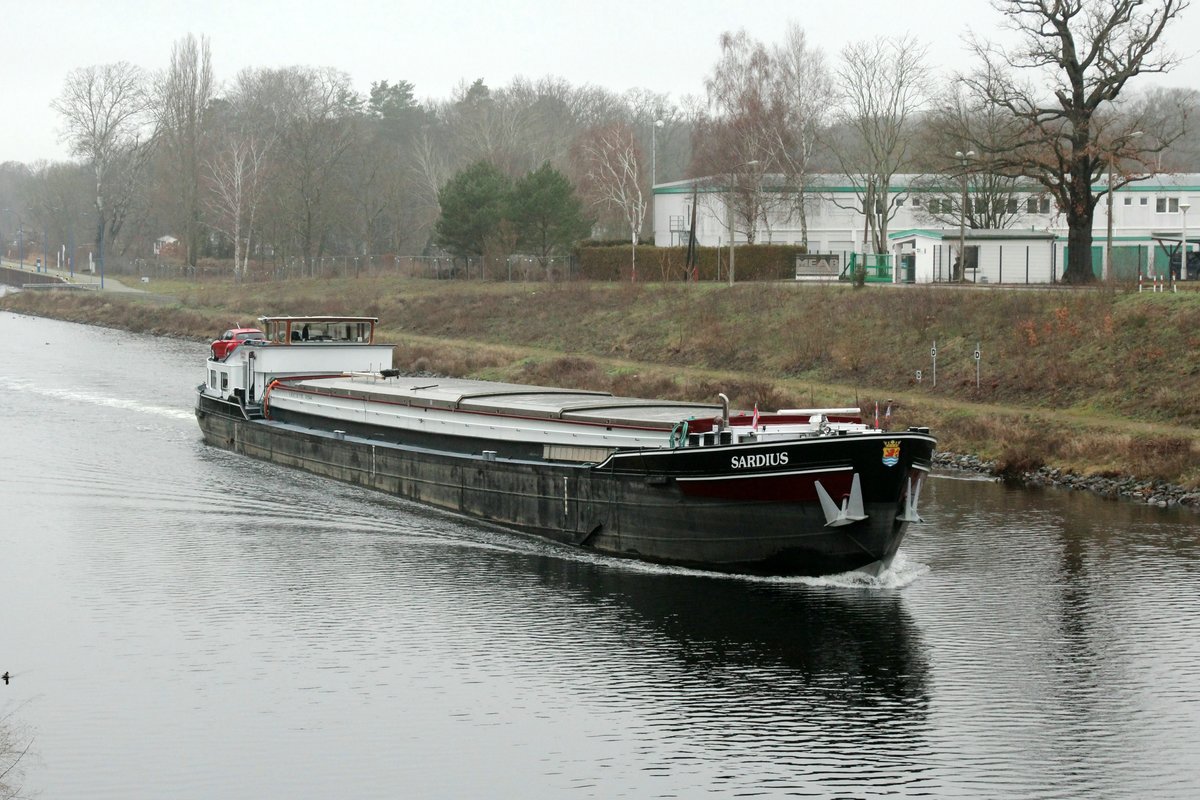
(1149, 220)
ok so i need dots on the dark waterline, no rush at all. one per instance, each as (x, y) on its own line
(183, 622)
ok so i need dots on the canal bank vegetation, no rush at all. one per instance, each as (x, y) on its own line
(1092, 382)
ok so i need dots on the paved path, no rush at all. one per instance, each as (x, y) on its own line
(83, 278)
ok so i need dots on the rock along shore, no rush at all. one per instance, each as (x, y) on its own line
(1154, 493)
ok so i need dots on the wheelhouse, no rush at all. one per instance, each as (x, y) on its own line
(322, 330)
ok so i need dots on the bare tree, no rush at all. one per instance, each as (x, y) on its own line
(105, 113)
(956, 187)
(14, 746)
(736, 141)
(183, 95)
(235, 175)
(803, 92)
(316, 122)
(884, 85)
(612, 166)
(1061, 83)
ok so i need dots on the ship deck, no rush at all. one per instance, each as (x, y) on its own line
(511, 399)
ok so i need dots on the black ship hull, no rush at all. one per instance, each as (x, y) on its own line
(749, 508)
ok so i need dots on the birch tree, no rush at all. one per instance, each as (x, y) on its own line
(803, 92)
(884, 85)
(612, 165)
(736, 140)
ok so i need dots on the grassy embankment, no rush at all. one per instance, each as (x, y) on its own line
(1094, 382)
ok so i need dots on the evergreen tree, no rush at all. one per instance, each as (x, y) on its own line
(474, 203)
(546, 213)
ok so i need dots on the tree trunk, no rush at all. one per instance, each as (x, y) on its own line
(803, 217)
(1080, 212)
(1079, 249)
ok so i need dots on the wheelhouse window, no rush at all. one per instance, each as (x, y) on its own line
(320, 330)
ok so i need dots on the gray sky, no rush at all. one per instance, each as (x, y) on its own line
(617, 44)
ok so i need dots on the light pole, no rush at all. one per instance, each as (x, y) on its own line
(963, 158)
(21, 243)
(658, 123)
(1108, 250)
(1184, 205)
(100, 237)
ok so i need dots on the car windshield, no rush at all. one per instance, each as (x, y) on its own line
(250, 335)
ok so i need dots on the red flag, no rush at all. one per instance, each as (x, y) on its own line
(754, 420)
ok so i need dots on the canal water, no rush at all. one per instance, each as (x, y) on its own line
(183, 622)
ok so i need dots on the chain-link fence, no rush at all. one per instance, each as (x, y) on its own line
(511, 268)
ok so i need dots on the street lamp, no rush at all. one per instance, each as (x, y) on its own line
(963, 158)
(1112, 155)
(1184, 205)
(658, 123)
(100, 237)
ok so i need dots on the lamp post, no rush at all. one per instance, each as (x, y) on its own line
(963, 158)
(658, 123)
(1108, 250)
(100, 237)
(1184, 205)
(21, 244)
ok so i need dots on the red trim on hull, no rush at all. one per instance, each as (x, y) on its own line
(790, 487)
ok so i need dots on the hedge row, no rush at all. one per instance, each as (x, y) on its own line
(753, 262)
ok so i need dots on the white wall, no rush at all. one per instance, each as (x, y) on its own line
(833, 228)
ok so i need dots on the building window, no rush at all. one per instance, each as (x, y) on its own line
(1145, 201)
(1037, 205)
(1012, 205)
(1128, 201)
(1166, 205)
(916, 201)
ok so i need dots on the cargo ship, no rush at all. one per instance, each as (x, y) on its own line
(791, 492)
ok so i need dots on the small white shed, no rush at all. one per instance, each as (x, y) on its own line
(993, 256)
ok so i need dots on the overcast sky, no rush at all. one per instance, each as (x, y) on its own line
(617, 44)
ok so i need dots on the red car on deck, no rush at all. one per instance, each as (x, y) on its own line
(231, 339)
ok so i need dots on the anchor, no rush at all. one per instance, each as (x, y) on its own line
(851, 509)
(910, 503)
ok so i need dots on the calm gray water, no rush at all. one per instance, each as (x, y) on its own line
(182, 622)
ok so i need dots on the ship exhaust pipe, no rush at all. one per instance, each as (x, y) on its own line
(724, 410)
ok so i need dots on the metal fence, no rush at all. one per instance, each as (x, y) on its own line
(511, 268)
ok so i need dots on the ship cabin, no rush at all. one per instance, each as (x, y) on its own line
(301, 330)
(296, 346)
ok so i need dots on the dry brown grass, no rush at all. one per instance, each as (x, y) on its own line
(1094, 381)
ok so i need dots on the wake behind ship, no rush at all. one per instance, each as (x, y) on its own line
(792, 492)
